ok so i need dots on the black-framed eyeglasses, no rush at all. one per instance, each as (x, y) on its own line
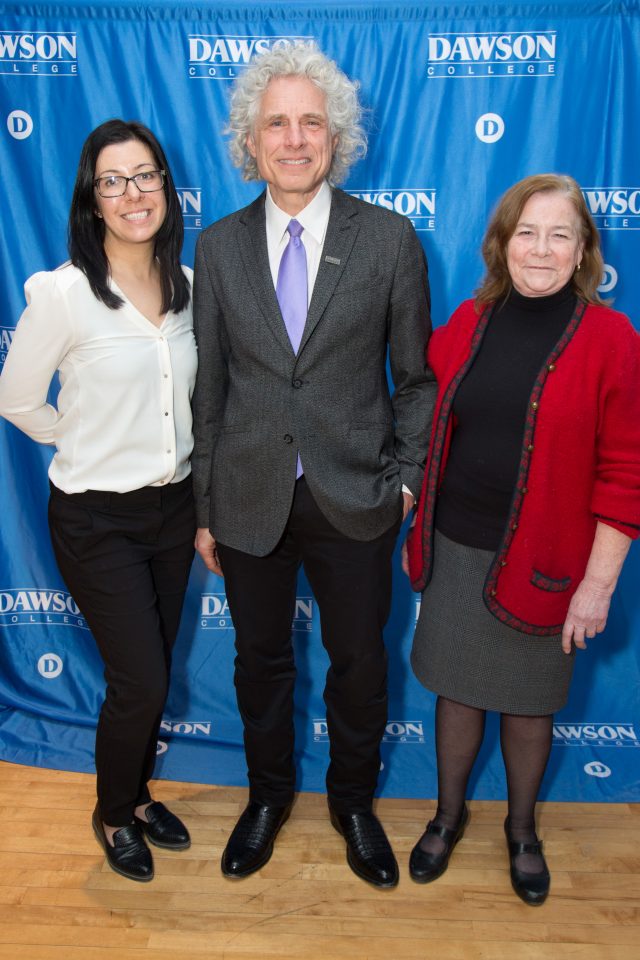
(116, 186)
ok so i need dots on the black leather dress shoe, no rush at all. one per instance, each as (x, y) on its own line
(163, 828)
(533, 888)
(369, 853)
(129, 856)
(425, 867)
(251, 842)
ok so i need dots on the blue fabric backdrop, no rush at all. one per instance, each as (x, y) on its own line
(464, 99)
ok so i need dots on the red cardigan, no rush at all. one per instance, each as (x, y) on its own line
(580, 462)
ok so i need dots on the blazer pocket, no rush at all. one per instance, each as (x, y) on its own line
(363, 285)
(550, 584)
(375, 425)
(233, 428)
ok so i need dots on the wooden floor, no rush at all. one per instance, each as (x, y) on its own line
(59, 901)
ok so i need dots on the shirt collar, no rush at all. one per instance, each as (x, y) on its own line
(314, 217)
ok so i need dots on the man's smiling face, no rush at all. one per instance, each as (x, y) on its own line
(291, 141)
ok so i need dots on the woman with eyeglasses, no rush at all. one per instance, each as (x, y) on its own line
(115, 322)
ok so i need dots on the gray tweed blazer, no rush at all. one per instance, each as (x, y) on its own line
(256, 404)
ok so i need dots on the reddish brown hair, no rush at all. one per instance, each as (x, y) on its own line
(497, 282)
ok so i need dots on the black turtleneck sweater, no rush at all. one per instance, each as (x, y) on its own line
(490, 408)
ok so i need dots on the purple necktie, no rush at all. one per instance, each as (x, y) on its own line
(291, 291)
(291, 288)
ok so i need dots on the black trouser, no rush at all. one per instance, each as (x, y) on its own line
(125, 558)
(351, 581)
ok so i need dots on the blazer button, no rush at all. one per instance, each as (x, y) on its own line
(297, 384)
(288, 438)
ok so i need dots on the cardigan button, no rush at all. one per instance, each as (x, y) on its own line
(535, 405)
(492, 593)
(503, 563)
(525, 490)
(551, 367)
(514, 526)
(530, 448)
(288, 438)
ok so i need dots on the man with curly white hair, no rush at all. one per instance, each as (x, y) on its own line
(302, 455)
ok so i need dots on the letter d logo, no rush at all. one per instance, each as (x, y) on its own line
(50, 666)
(609, 279)
(19, 124)
(489, 127)
(596, 769)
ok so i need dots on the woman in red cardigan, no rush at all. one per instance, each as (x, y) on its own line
(530, 502)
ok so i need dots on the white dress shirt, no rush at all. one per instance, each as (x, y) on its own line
(123, 414)
(314, 219)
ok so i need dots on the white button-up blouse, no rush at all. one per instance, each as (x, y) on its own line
(123, 415)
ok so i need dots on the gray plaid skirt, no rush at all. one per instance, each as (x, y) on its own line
(462, 652)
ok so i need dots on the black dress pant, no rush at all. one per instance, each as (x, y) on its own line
(125, 558)
(351, 581)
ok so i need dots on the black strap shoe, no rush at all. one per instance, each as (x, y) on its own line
(251, 842)
(163, 828)
(533, 888)
(369, 853)
(425, 867)
(129, 856)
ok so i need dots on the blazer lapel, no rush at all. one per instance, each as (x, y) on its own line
(342, 231)
(252, 239)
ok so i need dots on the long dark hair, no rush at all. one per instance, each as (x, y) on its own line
(87, 231)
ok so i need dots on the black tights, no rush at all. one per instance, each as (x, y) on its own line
(525, 743)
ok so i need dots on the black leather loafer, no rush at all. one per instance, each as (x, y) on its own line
(369, 853)
(425, 867)
(533, 888)
(129, 856)
(163, 828)
(251, 842)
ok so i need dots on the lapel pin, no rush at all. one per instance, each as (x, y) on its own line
(335, 260)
